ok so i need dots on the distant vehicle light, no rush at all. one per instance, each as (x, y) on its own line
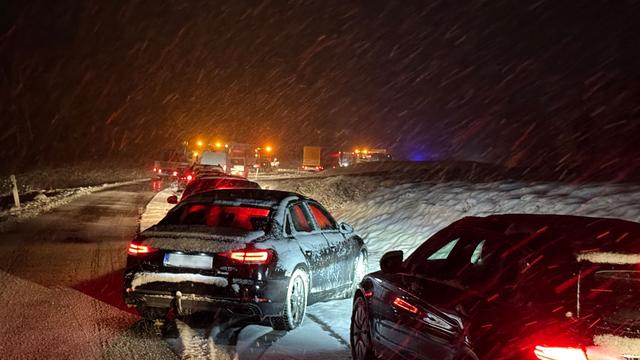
(136, 249)
(189, 177)
(559, 353)
(175, 173)
(159, 171)
(357, 151)
(218, 145)
(404, 305)
(155, 169)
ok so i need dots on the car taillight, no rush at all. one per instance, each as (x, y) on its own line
(159, 171)
(404, 305)
(175, 173)
(559, 353)
(189, 177)
(155, 169)
(250, 256)
(137, 249)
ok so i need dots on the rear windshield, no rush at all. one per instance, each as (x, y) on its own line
(220, 216)
(204, 185)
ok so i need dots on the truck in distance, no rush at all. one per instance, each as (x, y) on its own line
(311, 158)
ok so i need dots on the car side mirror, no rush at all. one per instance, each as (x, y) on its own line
(172, 199)
(346, 228)
(391, 262)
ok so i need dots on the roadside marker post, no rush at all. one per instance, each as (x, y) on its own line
(16, 198)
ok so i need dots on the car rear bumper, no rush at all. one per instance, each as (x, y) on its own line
(191, 303)
(263, 300)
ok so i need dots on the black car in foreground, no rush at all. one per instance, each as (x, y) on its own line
(260, 253)
(546, 287)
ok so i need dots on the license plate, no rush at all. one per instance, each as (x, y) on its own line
(188, 261)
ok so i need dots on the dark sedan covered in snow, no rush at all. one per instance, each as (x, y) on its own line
(528, 287)
(261, 253)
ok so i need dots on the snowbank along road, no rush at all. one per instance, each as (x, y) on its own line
(60, 284)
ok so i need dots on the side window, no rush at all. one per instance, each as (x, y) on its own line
(443, 252)
(323, 219)
(301, 221)
(476, 256)
(460, 258)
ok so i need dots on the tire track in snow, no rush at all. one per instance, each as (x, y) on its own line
(327, 328)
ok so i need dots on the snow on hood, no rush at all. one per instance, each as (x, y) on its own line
(609, 258)
(618, 344)
(177, 238)
(142, 278)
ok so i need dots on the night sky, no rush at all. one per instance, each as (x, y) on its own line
(546, 84)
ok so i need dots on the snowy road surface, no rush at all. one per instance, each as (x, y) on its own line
(60, 273)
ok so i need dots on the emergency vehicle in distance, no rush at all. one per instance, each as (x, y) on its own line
(359, 156)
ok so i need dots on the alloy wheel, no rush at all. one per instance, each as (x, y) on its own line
(360, 331)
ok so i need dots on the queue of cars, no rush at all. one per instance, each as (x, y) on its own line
(546, 287)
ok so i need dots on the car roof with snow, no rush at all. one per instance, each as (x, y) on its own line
(574, 233)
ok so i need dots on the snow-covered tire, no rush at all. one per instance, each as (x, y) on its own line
(295, 305)
(151, 313)
(359, 271)
(360, 331)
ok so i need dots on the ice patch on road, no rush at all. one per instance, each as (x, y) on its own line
(142, 278)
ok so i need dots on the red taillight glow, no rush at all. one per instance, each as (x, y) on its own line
(189, 177)
(175, 173)
(402, 304)
(559, 353)
(250, 256)
(137, 249)
(155, 169)
(159, 171)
